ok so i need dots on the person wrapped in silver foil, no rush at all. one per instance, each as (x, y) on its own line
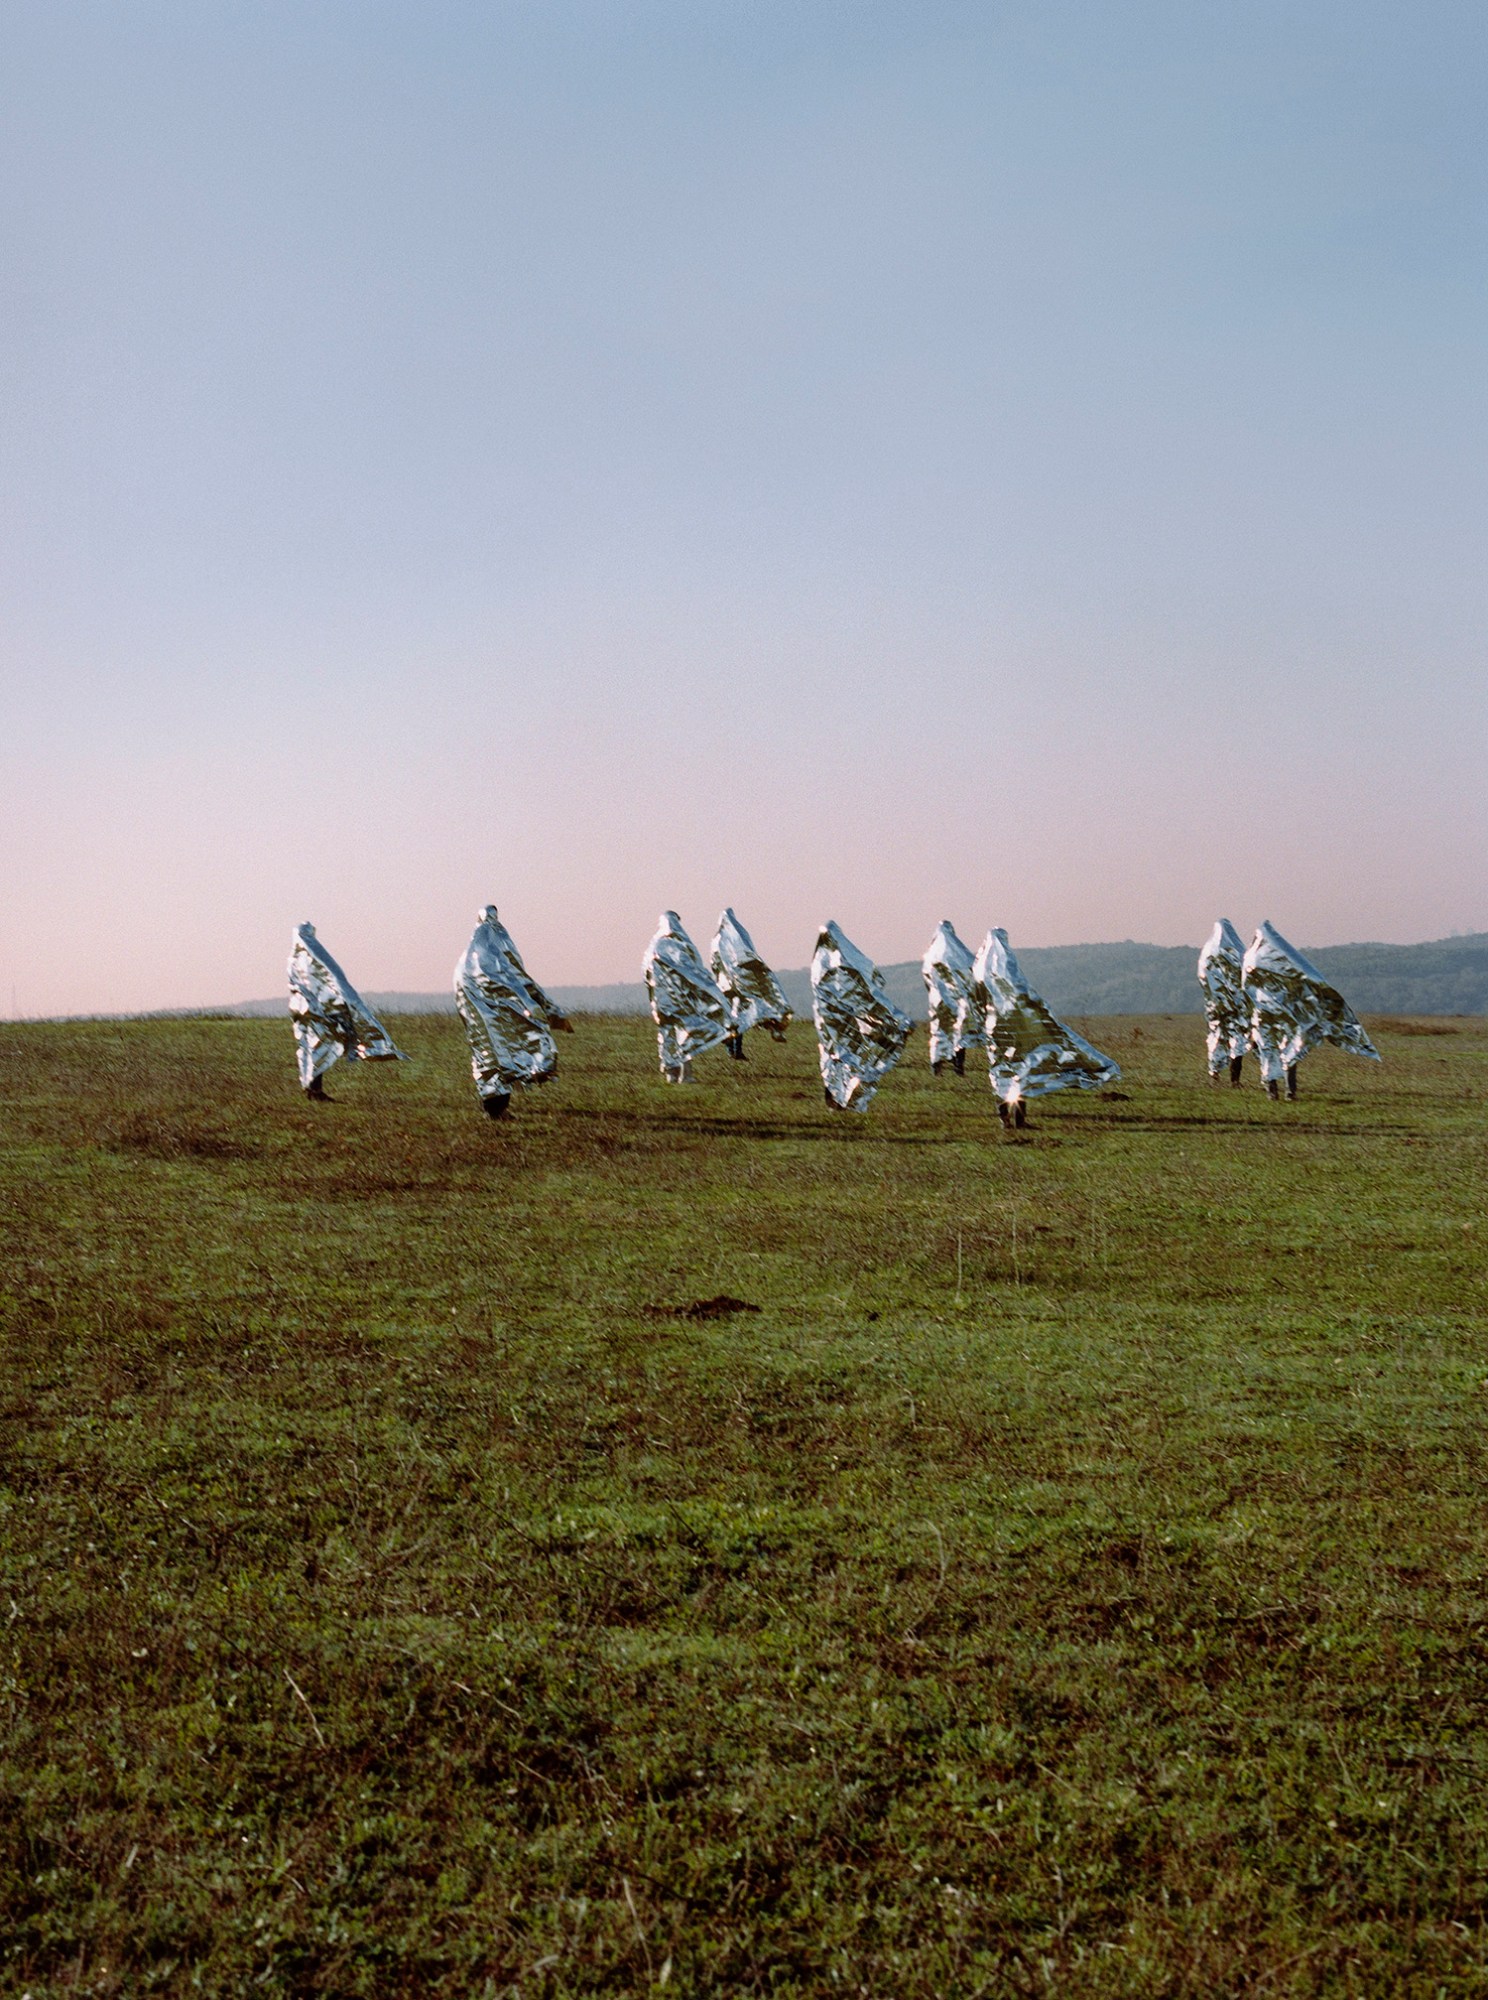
(747, 984)
(1226, 1009)
(955, 1019)
(1294, 1009)
(505, 1016)
(691, 1014)
(1029, 1051)
(331, 1019)
(860, 1033)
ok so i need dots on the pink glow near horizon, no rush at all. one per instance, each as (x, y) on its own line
(994, 465)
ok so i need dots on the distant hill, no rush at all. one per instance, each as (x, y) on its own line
(1449, 976)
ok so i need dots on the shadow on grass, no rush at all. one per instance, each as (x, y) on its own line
(1284, 1120)
(722, 1127)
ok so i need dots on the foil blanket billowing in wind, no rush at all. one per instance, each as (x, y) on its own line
(506, 1014)
(691, 1014)
(956, 1021)
(542, 1007)
(860, 1032)
(1293, 1008)
(1029, 1052)
(331, 1019)
(1226, 1009)
(746, 982)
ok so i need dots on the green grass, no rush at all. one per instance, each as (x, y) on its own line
(1073, 1578)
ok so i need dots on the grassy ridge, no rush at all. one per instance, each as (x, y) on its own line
(1071, 1577)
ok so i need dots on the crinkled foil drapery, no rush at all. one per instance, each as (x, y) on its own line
(1226, 1009)
(956, 1022)
(690, 1013)
(1029, 1052)
(539, 1003)
(746, 982)
(1293, 1008)
(507, 1027)
(331, 1019)
(860, 1032)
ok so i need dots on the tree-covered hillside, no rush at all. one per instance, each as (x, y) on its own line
(1449, 976)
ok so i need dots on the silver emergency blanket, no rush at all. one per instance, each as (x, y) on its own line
(331, 1019)
(540, 1004)
(1029, 1052)
(746, 982)
(690, 1013)
(1293, 1008)
(859, 1031)
(510, 1042)
(956, 1021)
(1226, 1008)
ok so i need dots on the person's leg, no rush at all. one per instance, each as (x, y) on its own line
(1291, 1082)
(1273, 1088)
(1005, 1113)
(315, 1090)
(1020, 1114)
(1235, 1066)
(958, 1062)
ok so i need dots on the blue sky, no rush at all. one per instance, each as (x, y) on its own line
(1021, 463)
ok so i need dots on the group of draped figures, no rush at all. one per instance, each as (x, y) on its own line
(1268, 999)
(1272, 1000)
(509, 1020)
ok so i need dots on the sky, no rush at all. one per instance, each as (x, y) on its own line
(1022, 462)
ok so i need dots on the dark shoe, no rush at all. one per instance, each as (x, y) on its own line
(1292, 1084)
(497, 1106)
(315, 1090)
(936, 1068)
(1005, 1113)
(958, 1062)
(1020, 1114)
(1236, 1064)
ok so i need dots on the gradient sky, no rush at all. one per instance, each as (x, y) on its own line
(1018, 462)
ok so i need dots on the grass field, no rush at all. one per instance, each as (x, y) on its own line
(1073, 1576)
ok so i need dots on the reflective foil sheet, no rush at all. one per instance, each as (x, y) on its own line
(956, 1021)
(859, 1031)
(1029, 1052)
(539, 1004)
(1226, 1008)
(331, 1019)
(510, 1043)
(746, 982)
(1293, 1008)
(690, 1013)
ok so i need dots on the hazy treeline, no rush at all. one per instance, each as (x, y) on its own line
(1449, 976)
